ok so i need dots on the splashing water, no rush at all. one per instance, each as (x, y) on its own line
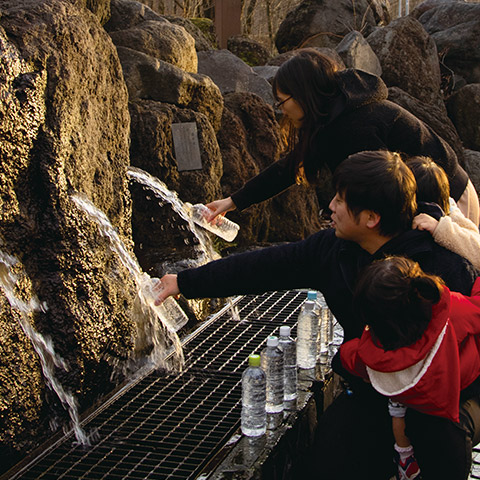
(146, 320)
(161, 191)
(43, 346)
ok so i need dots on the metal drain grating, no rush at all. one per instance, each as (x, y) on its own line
(169, 427)
(475, 472)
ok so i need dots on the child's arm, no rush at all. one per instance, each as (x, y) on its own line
(456, 233)
(425, 222)
(350, 359)
(459, 238)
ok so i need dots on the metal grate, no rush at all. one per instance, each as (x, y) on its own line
(475, 472)
(170, 427)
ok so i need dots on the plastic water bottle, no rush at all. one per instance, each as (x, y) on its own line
(326, 326)
(272, 365)
(323, 314)
(287, 345)
(254, 417)
(307, 335)
(221, 226)
(169, 310)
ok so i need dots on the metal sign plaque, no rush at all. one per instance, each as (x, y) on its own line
(185, 143)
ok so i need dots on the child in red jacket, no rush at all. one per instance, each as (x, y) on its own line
(420, 339)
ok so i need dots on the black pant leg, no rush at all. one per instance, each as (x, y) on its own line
(443, 448)
(353, 440)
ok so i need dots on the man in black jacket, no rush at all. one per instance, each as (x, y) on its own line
(372, 213)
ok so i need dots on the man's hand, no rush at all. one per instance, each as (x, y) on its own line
(425, 222)
(166, 287)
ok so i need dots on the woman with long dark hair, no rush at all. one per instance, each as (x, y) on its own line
(332, 113)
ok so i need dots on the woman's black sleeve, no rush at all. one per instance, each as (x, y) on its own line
(270, 182)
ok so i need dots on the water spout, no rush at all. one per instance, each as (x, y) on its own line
(43, 346)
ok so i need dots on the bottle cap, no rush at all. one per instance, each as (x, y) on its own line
(311, 295)
(272, 341)
(309, 304)
(285, 331)
(254, 360)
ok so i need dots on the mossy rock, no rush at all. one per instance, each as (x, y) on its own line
(207, 27)
(251, 52)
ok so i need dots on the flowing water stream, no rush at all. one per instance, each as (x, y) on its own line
(206, 253)
(150, 318)
(43, 346)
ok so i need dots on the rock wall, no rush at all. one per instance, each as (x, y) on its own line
(64, 129)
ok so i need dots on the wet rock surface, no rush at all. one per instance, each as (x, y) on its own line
(64, 129)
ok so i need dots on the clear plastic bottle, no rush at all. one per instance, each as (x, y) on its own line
(221, 226)
(324, 317)
(272, 365)
(287, 345)
(307, 335)
(169, 310)
(254, 417)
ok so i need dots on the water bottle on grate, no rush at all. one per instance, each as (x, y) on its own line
(221, 226)
(272, 365)
(254, 417)
(287, 345)
(326, 326)
(324, 316)
(169, 310)
(307, 335)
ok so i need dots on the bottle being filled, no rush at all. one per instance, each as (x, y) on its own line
(169, 310)
(307, 335)
(221, 226)
(272, 365)
(254, 417)
(287, 345)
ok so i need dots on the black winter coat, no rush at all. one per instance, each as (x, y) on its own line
(361, 119)
(322, 262)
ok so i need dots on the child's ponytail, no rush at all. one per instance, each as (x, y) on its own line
(395, 297)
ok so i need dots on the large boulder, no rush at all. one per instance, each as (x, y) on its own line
(202, 41)
(152, 34)
(149, 78)
(409, 59)
(250, 141)
(433, 115)
(100, 8)
(231, 74)
(472, 167)
(323, 23)
(455, 29)
(356, 52)
(251, 52)
(464, 111)
(64, 125)
(128, 13)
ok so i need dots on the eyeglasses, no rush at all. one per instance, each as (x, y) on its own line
(277, 105)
